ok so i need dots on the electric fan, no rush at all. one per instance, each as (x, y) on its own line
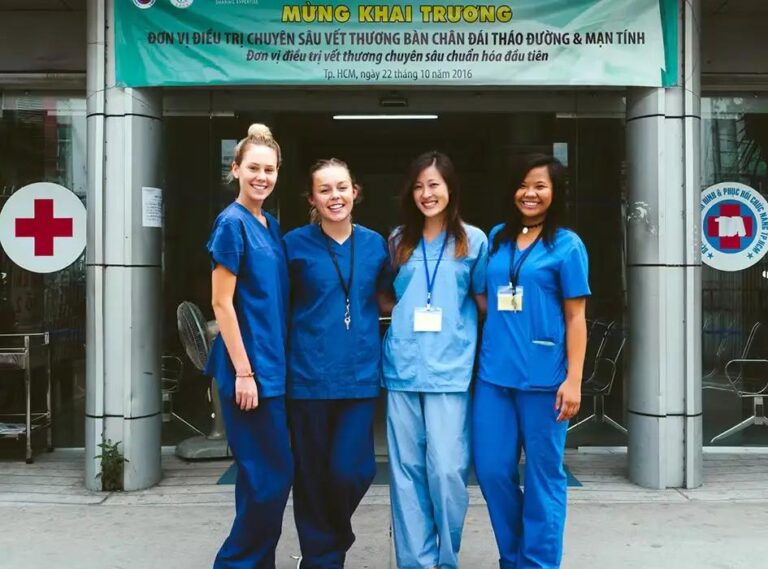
(196, 336)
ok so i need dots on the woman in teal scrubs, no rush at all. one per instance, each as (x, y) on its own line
(530, 366)
(339, 271)
(250, 295)
(429, 352)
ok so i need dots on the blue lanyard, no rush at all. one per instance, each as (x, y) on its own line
(431, 282)
(345, 286)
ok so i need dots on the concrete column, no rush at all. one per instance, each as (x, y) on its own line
(664, 275)
(123, 265)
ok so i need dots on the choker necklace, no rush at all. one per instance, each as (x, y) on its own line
(527, 228)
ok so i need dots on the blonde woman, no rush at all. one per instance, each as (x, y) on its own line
(250, 295)
(339, 274)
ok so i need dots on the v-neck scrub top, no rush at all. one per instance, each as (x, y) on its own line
(438, 362)
(325, 360)
(254, 253)
(526, 350)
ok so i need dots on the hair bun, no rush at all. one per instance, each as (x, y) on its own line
(258, 130)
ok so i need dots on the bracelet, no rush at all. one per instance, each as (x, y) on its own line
(249, 374)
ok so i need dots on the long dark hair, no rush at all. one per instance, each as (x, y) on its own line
(513, 222)
(413, 220)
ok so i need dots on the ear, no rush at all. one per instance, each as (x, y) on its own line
(235, 169)
(355, 192)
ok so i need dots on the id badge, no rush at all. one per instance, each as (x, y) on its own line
(509, 299)
(428, 319)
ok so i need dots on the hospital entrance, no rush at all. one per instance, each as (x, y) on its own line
(378, 134)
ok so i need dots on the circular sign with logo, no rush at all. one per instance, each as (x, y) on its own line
(43, 227)
(734, 226)
(182, 3)
(144, 4)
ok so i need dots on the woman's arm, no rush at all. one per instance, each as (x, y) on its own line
(482, 305)
(386, 303)
(569, 395)
(223, 291)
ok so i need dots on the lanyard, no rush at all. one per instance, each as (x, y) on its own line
(514, 273)
(345, 286)
(431, 282)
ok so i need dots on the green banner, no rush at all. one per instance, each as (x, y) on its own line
(273, 42)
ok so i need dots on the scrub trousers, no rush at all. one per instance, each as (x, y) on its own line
(260, 444)
(528, 525)
(428, 442)
(335, 465)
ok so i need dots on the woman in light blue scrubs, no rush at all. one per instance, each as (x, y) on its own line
(250, 296)
(429, 352)
(339, 271)
(530, 366)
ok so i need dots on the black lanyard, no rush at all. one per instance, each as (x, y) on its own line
(431, 282)
(345, 286)
(514, 272)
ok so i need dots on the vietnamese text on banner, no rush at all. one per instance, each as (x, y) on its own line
(273, 42)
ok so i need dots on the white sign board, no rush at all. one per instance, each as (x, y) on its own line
(43, 227)
(734, 226)
(151, 207)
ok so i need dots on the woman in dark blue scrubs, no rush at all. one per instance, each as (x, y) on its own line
(340, 276)
(250, 296)
(530, 366)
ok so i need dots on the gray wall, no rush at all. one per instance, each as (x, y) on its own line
(735, 44)
(39, 41)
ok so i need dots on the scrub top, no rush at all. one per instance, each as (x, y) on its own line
(325, 360)
(526, 350)
(436, 362)
(241, 244)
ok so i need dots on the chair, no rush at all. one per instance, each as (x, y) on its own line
(171, 371)
(596, 330)
(747, 378)
(719, 341)
(605, 342)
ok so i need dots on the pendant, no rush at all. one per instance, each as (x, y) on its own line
(525, 230)
(347, 315)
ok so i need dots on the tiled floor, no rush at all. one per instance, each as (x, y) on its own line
(57, 478)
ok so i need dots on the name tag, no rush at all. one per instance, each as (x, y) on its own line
(428, 319)
(509, 299)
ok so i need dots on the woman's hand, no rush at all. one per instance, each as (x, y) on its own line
(223, 283)
(246, 393)
(568, 400)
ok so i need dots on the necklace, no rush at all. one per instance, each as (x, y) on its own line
(527, 228)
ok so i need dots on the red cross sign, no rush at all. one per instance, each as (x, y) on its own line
(730, 226)
(43, 227)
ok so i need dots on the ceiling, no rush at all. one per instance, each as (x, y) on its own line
(58, 5)
(733, 7)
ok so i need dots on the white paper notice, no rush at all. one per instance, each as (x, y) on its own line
(151, 207)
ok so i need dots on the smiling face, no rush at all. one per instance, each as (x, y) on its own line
(534, 196)
(430, 192)
(256, 174)
(333, 193)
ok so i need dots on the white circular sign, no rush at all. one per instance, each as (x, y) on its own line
(43, 227)
(734, 226)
